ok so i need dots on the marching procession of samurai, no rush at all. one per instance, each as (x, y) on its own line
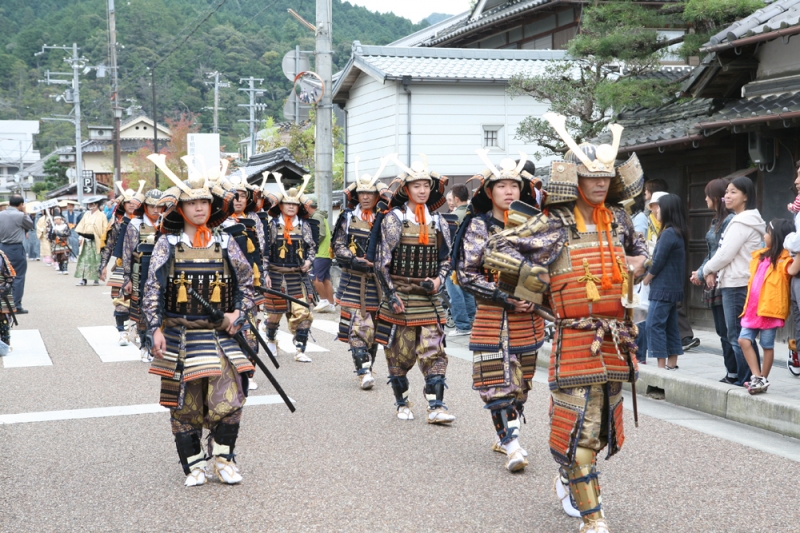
(202, 274)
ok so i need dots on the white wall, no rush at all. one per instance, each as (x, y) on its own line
(446, 124)
(778, 59)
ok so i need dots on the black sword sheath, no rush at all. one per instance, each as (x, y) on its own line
(262, 343)
(217, 317)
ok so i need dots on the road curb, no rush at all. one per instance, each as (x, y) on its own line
(781, 415)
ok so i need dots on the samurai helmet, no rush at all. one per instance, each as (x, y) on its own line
(592, 161)
(418, 172)
(367, 183)
(129, 196)
(152, 197)
(509, 170)
(292, 196)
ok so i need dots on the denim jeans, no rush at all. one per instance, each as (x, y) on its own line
(641, 342)
(722, 330)
(462, 305)
(663, 335)
(732, 305)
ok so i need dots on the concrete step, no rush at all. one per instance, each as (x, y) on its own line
(774, 412)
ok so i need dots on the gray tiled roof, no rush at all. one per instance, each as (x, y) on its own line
(759, 106)
(442, 64)
(773, 16)
(420, 37)
(274, 160)
(665, 124)
(667, 73)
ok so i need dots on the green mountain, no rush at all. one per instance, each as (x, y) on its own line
(240, 38)
(433, 18)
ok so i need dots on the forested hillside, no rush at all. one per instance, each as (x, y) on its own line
(242, 38)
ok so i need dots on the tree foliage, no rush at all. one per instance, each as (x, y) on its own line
(241, 39)
(614, 57)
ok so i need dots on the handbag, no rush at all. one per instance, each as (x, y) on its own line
(712, 297)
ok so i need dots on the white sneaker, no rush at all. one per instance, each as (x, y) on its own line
(196, 478)
(562, 491)
(272, 348)
(301, 357)
(404, 413)
(516, 461)
(227, 471)
(251, 384)
(145, 355)
(123, 338)
(439, 416)
(367, 381)
(323, 304)
(330, 308)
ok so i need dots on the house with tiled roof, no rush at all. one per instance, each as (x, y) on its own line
(442, 102)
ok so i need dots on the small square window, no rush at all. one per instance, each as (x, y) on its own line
(493, 137)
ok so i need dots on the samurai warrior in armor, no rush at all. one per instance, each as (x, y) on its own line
(245, 227)
(194, 275)
(7, 309)
(59, 238)
(357, 293)
(412, 262)
(291, 250)
(128, 203)
(506, 333)
(578, 253)
(137, 247)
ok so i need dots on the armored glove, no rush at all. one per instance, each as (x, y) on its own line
(531, 226)
(522, 278)
(503, 299)
(361, 265)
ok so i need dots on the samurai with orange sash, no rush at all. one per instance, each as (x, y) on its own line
(578, 252)
(506, 333)
(203, 369)
(358, 293)
(412, 262)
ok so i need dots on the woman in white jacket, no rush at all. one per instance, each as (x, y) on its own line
(730, 266)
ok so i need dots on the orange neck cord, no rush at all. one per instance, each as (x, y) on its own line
(151, 219)
(419, 215)
(287, 228)
(368, 217)
(202, 235)
(602, 217)
(505, 218)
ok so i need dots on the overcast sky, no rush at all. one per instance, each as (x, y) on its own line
(415, 10)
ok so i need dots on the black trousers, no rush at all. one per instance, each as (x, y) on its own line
(16, 255)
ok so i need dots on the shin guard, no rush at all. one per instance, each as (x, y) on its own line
(190, 451)
(506, 423)
(5, 329)
(400, 389)
(434, 391)
(362, 360)
(272, 331)
(584, 486)
(301, 339)
(120, 319)
(223, 440)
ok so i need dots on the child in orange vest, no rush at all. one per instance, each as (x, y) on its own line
(767, 304)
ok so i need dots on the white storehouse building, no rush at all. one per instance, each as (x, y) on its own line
(444, 102)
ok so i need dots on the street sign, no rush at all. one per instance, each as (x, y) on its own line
(203, 148)
(88, 183)
(295, 61)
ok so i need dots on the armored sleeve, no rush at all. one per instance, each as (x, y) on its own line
(262, 241)
(128, 247)
(391, 229)
(108, 249)
(244, 297)
(532, 242)
(470, 260)
(311, 246)
(340, 249)
(153, 300)
(444, 262)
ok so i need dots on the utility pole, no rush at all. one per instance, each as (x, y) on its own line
(253, 92)
(155, 121)
(323, 147)
(74, 97)
(115, 107)
(217, 85)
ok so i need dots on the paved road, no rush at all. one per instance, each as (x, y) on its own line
(342, 462)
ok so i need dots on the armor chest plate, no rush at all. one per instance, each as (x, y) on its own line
(358, 236)
(206, 271)
(578, 267)
(414, 260)
(283, 253)
(147, 234)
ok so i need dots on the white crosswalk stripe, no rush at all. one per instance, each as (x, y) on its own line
(286, 344)
(28, 350)
(328, 326)
(104, 341)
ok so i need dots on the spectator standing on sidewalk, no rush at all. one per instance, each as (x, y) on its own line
(730, 266)
(322, 262)
(72, 217)
(643, 289)
(462, 303)
(767, 305)
(14, 223)
(792, 244)
(666, 282)
(712, 296)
